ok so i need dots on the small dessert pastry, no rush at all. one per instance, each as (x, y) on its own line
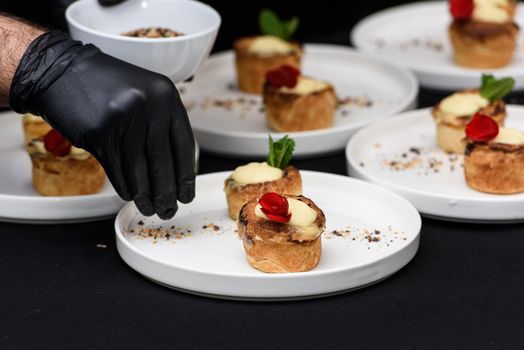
(454, 112)
(281, 233)
(483, 33)
(256, 55)
(34, 127)
(254, 179)
(296, 103)
(60, 169)
(494, 158)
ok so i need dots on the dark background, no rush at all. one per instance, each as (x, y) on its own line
(319, 19)
(464, 288)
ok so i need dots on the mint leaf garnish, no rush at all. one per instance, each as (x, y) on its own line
(271, 24)
(280, 152)
(494, 89)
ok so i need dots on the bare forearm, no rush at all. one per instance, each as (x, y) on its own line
(15, 37)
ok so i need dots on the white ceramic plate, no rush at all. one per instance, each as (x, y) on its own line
(229, 122)
(211, 261)
(401, 154)
(19, 202)
(415, 35)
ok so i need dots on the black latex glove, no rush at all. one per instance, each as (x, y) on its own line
(132, 120)
(109, 2)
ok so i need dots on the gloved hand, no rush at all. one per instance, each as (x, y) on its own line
(132, 120)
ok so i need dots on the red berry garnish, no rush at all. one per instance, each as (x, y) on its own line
(55, 143)
(461, 9)
(285, 75)
(482, 128)
(275, 207)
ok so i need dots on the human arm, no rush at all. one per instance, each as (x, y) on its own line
(15, 37)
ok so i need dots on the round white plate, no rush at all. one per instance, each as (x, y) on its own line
(229, 122)
(203, 259)
(415, 35)
(19, 202)
(401, 155)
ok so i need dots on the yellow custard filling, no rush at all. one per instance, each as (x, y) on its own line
(37, 148)
(302, 218)
(460, 104)
(492, 11)
(31, 118)
(256, 173)
(306, 86)
(509, 136)
(267, 45)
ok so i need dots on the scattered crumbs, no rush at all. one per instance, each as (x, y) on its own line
(431, 44)
(243, 104)
(101, 246)
(426, 44)
(156, 233)
(181, 90)
(231, 87)
(373, 236)
(361, 164)
(377, 145)
(424, 161)
(355, 101)
(414, 150)
(213, 228)
(381, 236)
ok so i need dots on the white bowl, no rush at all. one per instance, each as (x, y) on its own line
(177, 57)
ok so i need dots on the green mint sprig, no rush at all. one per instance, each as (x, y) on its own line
(280, 152)
(270, 24)
(494, 89)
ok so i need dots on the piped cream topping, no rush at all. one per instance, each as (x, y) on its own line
(301, 214)
(268, 45)
(37, 148)
(306, 86)
(255, 173)
(494, 11)
(510, 137)
(461, 104)
(31, 118)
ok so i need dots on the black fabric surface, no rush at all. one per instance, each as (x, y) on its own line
(59, 290)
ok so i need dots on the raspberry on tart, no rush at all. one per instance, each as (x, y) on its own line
(483, 33)
(281, 233)
(61, 169)
(453, 113)
(294, 102)
(494, 158)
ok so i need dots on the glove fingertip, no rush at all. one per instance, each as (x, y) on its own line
(144, 205)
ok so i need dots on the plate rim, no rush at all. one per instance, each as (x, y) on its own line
(353, 165)
(356, 38)
(39, 200)
(407, 103)
(295, 275)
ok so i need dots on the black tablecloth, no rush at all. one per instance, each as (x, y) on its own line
(59, 288)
